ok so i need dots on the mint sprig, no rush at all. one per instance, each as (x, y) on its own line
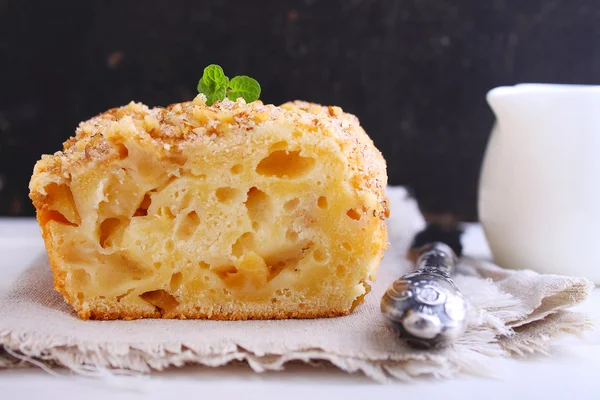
(215, 85)
(245, 87)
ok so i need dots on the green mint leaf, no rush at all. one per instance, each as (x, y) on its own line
(212, 92)
(214, 74)
(213, 84)
(245, 87)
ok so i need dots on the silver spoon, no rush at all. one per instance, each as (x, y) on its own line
(424, 307)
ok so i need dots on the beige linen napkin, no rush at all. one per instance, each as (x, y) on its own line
(514, 312)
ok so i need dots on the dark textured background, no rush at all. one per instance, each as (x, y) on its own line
(414, 71)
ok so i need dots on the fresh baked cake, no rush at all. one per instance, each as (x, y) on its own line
(230, 211)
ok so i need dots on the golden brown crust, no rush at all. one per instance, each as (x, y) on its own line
(101, 312)
(166, 135)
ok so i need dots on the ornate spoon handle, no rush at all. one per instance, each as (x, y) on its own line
(424, 306)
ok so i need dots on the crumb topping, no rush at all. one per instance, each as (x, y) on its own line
(167, 129)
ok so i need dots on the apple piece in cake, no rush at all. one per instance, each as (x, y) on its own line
(229, 211)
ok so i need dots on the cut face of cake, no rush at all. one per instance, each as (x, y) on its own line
(233, 211)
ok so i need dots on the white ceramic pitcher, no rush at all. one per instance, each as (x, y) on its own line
(539, 194)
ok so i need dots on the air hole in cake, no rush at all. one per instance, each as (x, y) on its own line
(237, 169)
(188, 225)
(259, 205)
(244, 243)
(60, 199)
(109, 228)
(285, 164)
(322, 202)
(169, 245)
(291, 205)
(291, 236)
(120, 297)
(53, 215)
(347, 246)
(175, 281)
(80, 278)
(166, 212)
(320, 255)
(203, 265)
(352, 213)
(193, 217)
(297, 134)
(161, 299)
(142, 209)
(122, 150)
(226, 194)
(224, 272)
(157, 265)
(340, 271)
(255, 226)
(80, 296)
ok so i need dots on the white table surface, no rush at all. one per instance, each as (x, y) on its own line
(571, 372)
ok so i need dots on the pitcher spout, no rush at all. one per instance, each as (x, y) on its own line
(502, 100)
